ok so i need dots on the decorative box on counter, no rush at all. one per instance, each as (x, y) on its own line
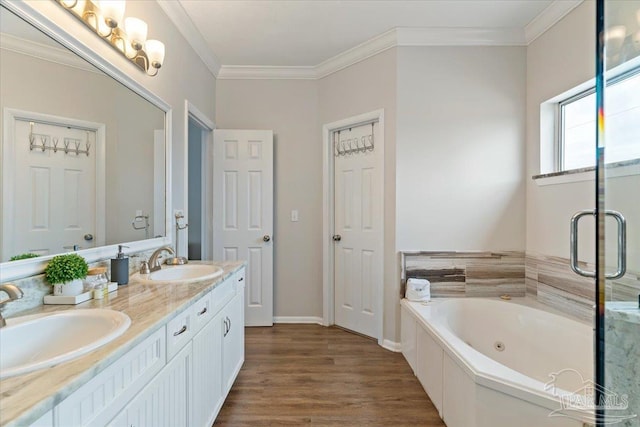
(77, 299)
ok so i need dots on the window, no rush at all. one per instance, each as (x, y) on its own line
(577, 139)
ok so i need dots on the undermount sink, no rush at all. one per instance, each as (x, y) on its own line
(182, 274)
(35, 342)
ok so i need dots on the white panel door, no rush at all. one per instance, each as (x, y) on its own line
(55, 192)
(243, 213)
(358, 180)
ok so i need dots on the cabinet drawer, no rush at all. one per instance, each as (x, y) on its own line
(179, 332)
(99, 400)
(222, 294)
(201, 312)
(238, 278)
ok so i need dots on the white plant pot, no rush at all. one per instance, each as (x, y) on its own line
(72, 288)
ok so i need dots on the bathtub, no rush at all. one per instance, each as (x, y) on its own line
(492, 363)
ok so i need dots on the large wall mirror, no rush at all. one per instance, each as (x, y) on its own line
(84, 157)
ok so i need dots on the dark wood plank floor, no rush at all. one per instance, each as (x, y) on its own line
(311, 375)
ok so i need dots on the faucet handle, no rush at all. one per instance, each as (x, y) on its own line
(144, 268)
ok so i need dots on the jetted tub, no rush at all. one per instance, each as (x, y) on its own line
(492, 363)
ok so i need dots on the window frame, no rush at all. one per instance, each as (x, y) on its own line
(559, 145)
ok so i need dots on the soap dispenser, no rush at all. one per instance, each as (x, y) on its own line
(120, 267)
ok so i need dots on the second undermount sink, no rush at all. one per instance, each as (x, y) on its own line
(40, 341)
(182, 274)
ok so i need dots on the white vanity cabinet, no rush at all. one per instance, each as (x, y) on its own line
(164, 401)
(218, 351)
(178, 376)
(233, 335)
(207, 373)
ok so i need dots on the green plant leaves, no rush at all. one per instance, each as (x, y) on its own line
(65, 268)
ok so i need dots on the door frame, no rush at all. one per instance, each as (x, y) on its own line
(328, 192)
(7, 157)
(192, 112)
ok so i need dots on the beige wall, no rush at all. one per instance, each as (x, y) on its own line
(419, 101)
(559, 60)
(460, 148)
(290, 108)
(296, 111)
(366, 86)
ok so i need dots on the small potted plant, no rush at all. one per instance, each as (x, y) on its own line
(65, 274)
(23, 256)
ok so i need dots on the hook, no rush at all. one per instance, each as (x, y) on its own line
(88, 146)
(43, 140)
(55, 144)
(32, 138)
(66, 145)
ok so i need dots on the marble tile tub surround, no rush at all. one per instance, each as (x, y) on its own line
(35, 288)
(553, 283)
(622, 324)
(25, 398)
(467, 274)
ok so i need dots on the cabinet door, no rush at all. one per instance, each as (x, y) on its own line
(164, 401)
(232, 341)
(207, 373)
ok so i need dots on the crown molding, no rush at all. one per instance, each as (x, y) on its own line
(393, 38)
(358, 53)
(460, 37)
(266, 72)
(45, 52)
(548, 18)
(176, 13)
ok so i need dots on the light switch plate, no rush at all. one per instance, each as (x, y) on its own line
(294, 215)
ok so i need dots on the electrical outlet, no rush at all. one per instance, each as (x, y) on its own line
(294, 215)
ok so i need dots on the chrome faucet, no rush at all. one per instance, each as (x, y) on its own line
(153, 259)
(14, 293)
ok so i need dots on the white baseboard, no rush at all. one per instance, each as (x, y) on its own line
(396, 347)
(298, 319)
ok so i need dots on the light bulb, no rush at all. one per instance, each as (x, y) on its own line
(112, 11)
(69, 4)
(136, 29)
(155, 52)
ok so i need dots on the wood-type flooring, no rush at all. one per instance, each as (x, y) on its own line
(298, 375)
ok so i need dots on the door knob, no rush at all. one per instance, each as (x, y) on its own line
(88, 237)
(266, 238)
(337, 237)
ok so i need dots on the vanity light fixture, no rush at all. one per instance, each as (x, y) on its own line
(127, 35)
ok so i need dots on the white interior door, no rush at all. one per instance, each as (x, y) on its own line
(358, 239)
(243, 213)
(55, 192)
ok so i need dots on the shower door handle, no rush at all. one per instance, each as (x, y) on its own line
(622, 244)
(574, 243)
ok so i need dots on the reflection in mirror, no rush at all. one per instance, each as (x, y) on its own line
(83, 156)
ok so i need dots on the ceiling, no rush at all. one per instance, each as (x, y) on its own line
(309, 32)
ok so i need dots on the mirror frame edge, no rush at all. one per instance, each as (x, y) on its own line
(34, 14)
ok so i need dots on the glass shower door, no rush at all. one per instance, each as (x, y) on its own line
(618, 214)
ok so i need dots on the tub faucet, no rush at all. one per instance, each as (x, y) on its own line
(154, 264)
(14, 293)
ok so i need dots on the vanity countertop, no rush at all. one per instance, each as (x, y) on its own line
(25, 398)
